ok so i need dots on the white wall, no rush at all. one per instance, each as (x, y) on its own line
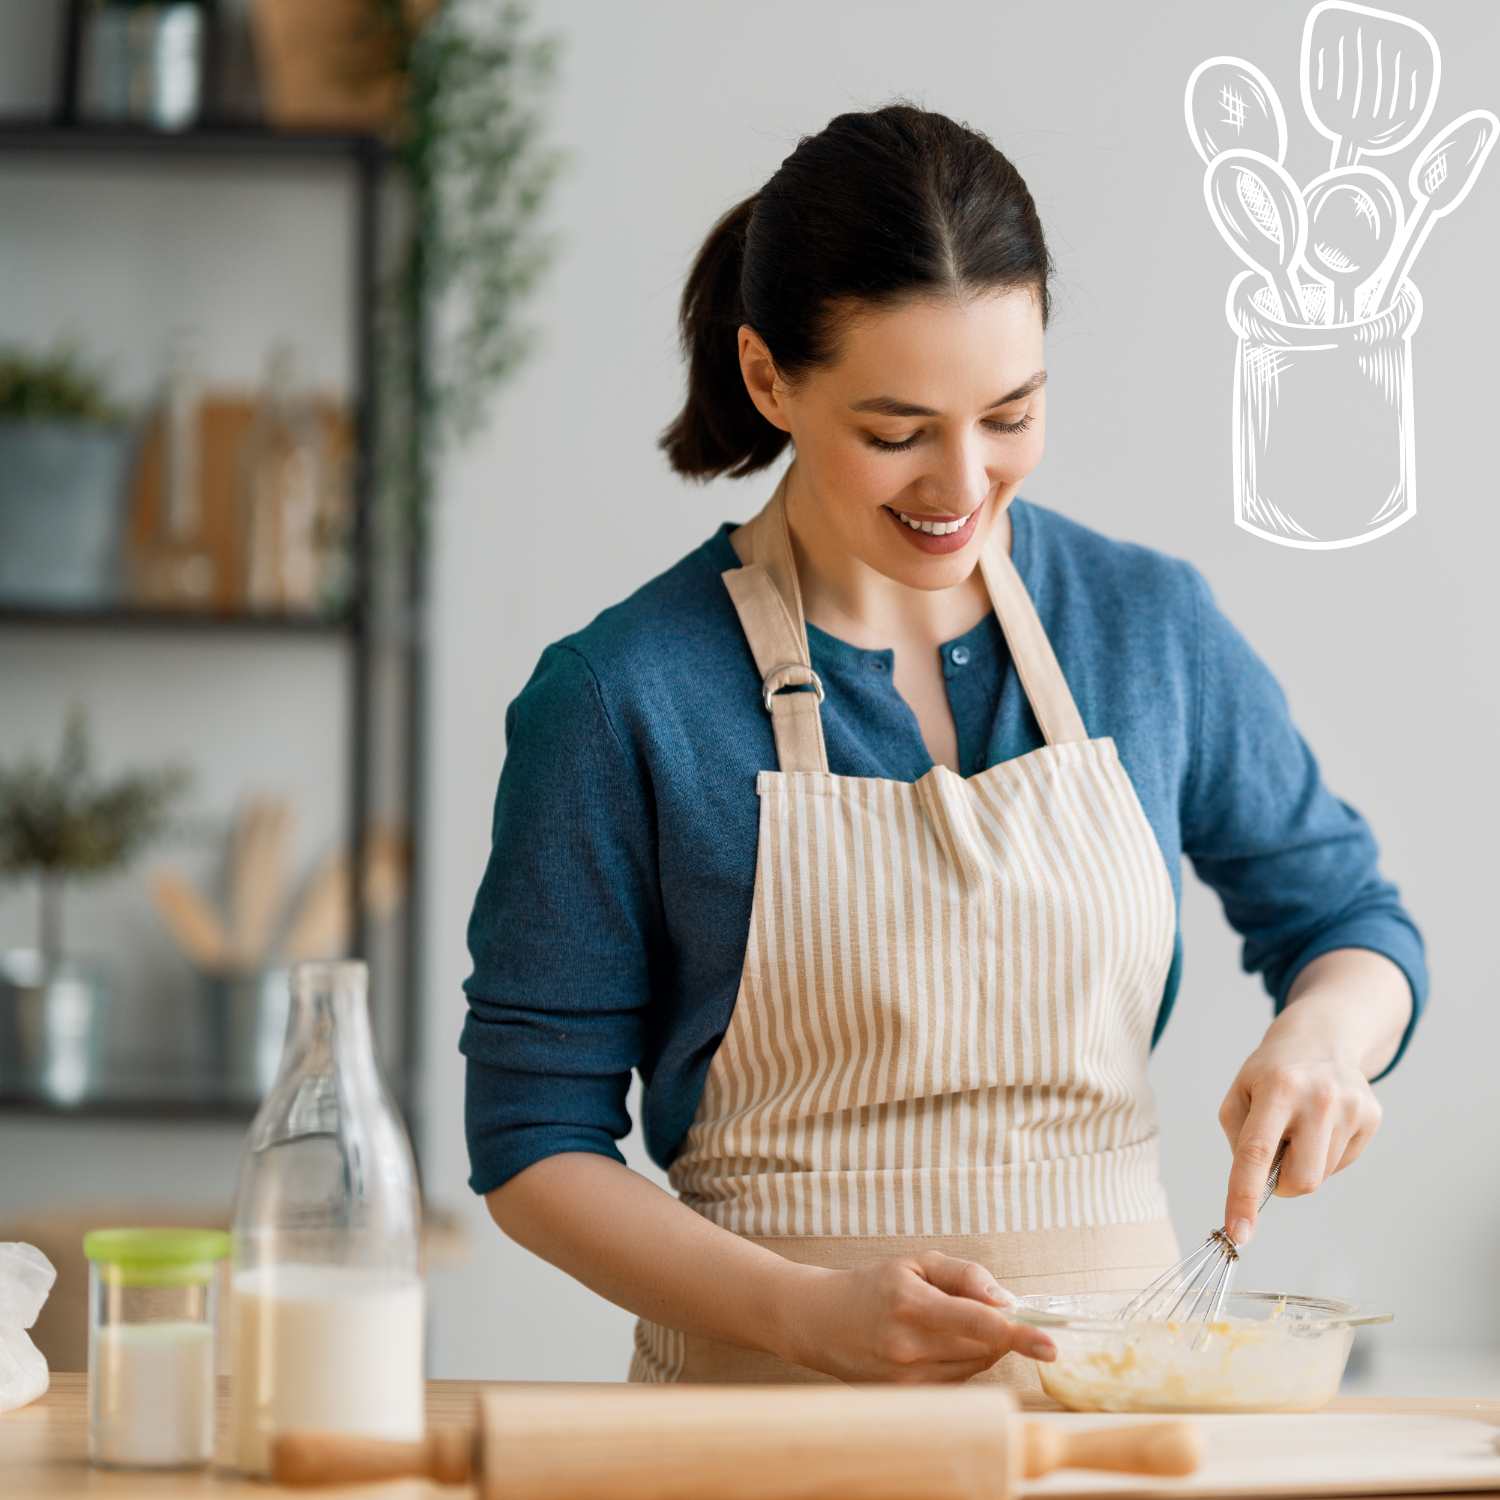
(674, 109)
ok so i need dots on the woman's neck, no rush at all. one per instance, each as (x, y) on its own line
(849, 599)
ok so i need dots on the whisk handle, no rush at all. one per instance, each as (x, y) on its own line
(1274, 1175)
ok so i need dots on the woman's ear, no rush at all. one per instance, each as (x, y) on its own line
(761, 379)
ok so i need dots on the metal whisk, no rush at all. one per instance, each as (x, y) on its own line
(1175, 1296)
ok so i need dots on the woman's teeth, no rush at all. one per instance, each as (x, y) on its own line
(934, 528)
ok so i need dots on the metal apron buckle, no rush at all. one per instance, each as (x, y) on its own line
(789, 674)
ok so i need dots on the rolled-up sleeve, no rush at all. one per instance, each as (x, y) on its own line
(1296, 869)
(563, 929)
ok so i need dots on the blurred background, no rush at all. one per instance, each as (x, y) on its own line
(335, 336)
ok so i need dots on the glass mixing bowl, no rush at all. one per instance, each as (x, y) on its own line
(1268, 1351)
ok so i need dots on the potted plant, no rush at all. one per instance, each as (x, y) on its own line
(61, 823)
(62, 490)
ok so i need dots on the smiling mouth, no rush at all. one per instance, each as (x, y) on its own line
(934, 525)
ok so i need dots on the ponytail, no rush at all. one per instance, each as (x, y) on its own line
(873, 210)
(719, 429)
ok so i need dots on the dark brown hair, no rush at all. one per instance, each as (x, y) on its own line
(875, 209)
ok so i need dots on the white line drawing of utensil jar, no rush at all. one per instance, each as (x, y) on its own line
(1324, 435)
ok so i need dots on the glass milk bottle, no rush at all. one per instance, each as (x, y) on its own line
(326, 1285)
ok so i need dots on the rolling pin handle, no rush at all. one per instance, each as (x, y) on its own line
(1150, 1448)
(300, 1459)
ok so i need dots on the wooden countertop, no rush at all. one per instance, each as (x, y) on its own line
(44, 1447)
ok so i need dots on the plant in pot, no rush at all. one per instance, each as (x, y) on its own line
(62, 482)
(60, 823)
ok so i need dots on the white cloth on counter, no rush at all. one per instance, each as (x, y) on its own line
(26, 1276)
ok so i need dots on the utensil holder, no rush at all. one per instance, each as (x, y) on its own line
(246, 1015)
(1324, 437)
(53, 1023)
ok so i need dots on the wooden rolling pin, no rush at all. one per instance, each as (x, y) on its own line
(643, 1442)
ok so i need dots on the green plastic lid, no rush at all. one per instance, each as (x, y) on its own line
(156, 1257)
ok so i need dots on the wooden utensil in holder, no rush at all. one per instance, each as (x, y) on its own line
(640, 1442)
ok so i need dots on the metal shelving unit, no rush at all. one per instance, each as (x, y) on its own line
(173, 621)
(376, 645)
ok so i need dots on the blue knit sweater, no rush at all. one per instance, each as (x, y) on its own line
(609, 931)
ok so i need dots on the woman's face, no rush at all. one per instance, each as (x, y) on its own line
(912, 444)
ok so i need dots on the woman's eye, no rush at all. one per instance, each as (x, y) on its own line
(1009, 428)
(1018, 426)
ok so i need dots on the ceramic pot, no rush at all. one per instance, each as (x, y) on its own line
(62, 506)
(1324, 433)
(142, 64)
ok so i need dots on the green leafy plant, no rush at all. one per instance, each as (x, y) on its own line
(471, 147)
(61, 823)
(51, 387)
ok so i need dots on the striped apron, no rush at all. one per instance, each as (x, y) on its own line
(943, 1022)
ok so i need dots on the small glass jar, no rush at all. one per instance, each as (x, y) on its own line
(153, 1319)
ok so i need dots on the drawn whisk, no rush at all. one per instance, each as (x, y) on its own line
(1200, 1280)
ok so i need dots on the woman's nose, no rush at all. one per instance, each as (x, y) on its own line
(960, 481)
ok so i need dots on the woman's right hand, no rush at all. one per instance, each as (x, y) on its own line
(923, 1318)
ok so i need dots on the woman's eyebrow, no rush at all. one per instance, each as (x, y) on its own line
(891, 406)
(1036, 382)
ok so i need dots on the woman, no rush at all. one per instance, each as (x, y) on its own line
(938, 753)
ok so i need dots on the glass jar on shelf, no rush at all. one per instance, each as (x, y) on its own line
(175, 568)
(286, 496)
(326, 1285)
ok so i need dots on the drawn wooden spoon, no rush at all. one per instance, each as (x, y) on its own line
(1260, 213)
(1231, 106)
(1440, 180)
(1354, 216)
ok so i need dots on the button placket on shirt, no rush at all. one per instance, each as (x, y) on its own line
(955, 659)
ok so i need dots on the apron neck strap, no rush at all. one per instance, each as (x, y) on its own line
(768, 599)
(1036, 662)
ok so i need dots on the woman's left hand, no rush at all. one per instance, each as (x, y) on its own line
(1308, 1081)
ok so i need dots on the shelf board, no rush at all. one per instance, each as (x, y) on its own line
(178, 622)
(249, 142)
(231, 1111)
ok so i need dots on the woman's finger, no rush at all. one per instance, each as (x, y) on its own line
(1233, 1112)
(965, 1318)
(1345, 1130)
(1355, 1146)
(962, 1278)
(1254, 1151)
(977, 1294)
(1306, 1161)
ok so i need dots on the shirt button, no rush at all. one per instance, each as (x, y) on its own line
(959, 656)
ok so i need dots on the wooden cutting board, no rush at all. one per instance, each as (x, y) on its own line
(1315, 1454)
